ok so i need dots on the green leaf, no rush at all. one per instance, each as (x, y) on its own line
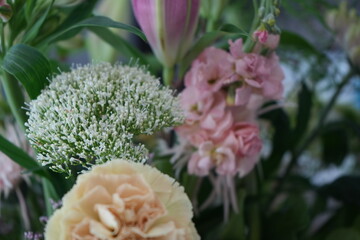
(96, 21)
(119, 44)
(230, 28)
(29, 66)
(33, 31)
(20, 157)
(344, 234)
(335, 145)
(50, 194)
(303, 113)
(79, 13)
(345, 189)
(293, 40)
(206, 40)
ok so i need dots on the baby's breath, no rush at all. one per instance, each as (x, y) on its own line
(90, 115)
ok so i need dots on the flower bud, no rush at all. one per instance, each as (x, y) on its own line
(5, 11)
(168, 25)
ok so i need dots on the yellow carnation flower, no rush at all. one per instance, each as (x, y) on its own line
(123, 200)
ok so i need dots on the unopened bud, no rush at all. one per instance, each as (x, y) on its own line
(5, 11)
(261, 12)
(277, 12)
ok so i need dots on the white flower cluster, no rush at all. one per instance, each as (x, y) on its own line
(90, 115)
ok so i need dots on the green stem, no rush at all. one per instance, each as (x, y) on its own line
(210, 25)
(2, 39)
(313, 134)
(249, 43)
(254, 208)
(168, 75)
(14, 98)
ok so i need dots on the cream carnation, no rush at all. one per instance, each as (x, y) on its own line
(123, 200)
(90, 115)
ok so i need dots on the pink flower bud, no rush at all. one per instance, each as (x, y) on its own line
(261, 35)
(5, 11)
(169, 26)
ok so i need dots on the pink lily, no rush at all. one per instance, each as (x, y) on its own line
(169, 26)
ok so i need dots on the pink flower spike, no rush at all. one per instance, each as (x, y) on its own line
(169, 26)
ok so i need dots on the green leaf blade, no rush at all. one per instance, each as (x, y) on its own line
(20, 157)
(96, 21)
(29, 66)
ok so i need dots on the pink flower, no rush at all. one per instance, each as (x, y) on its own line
(206, 116)
(169, 26)
(5, 11)
(210, 70)
(272, 41)
(209, 156)
(272, 76)
(261, 35)
(258, 75)
(248, 145)
(236, 48)
(195, 103)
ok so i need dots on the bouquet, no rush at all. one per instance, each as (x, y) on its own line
(181, 120)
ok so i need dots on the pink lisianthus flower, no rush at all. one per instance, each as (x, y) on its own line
(210, 70)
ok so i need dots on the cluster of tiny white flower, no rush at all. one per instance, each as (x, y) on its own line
(90, 115)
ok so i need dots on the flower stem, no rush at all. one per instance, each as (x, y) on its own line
(2, 39)
(210, 25)
(14, 98)
(168, 75)
(313, 134)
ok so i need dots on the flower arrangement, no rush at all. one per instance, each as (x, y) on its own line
(179, 120)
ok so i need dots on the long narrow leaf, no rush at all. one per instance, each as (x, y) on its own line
(120, 44)
(20, 157)
(50, 195)
(96, 21)
(31, 34)
(29, 66)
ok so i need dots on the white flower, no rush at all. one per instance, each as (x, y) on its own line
(90, 115)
